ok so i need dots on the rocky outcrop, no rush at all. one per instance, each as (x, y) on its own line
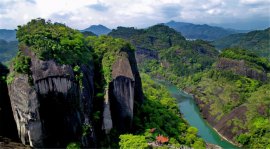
(224, 125)
(51, 111)
(241, 68)
(143, 54)
(124, 90)
(7, 124)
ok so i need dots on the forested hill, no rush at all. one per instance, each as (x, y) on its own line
(204, 32)
(161, 44)
(256, 41)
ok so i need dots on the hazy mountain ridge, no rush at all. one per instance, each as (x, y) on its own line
(98, 29)
(204, 32)
(256, 41)
(8, 35)
(7, 50)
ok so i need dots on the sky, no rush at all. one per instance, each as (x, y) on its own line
(80, 14)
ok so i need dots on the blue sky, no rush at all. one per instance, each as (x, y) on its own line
(79, 14)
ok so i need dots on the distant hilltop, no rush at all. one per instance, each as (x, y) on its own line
(98, 29)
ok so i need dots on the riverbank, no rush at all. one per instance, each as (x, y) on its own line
(198, 103)
(223, 137)
(191, 113)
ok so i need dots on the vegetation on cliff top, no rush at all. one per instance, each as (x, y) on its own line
(248, 56)
(106, 50)
(54, 41)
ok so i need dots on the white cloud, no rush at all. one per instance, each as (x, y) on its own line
(140, 13)
(254, 1)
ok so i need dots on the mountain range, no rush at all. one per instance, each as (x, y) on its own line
(256, 41)
(204, 32)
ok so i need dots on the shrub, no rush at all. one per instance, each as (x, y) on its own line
(129, 141)
(21, 63)
(73, 145)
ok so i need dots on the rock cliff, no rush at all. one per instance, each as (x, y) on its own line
(7, 123)
(124, 90)
(240, 67)
(224, 125)
(50, 111)
(52, 87)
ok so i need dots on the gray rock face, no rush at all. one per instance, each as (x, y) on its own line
(224, 126)
(122, 93)
(241, 68)
(7, 124)
(52, 111)
(142, 54)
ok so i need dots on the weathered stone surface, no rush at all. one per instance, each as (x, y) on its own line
(241, 68)
(7, 124)
(223, 126)
(121, 95)
(107, 117)
(122, 67)
(143, 54)
(51, 111)
(123, 91)
(226, 128)
(25, 106)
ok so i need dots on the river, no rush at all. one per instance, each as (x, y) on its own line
(191, 113)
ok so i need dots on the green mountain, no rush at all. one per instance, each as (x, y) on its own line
(98, 29)
(161, 45)
(204, 32)
(256, 41)
(8, 35)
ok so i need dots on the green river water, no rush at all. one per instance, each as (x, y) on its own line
(191, 113)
